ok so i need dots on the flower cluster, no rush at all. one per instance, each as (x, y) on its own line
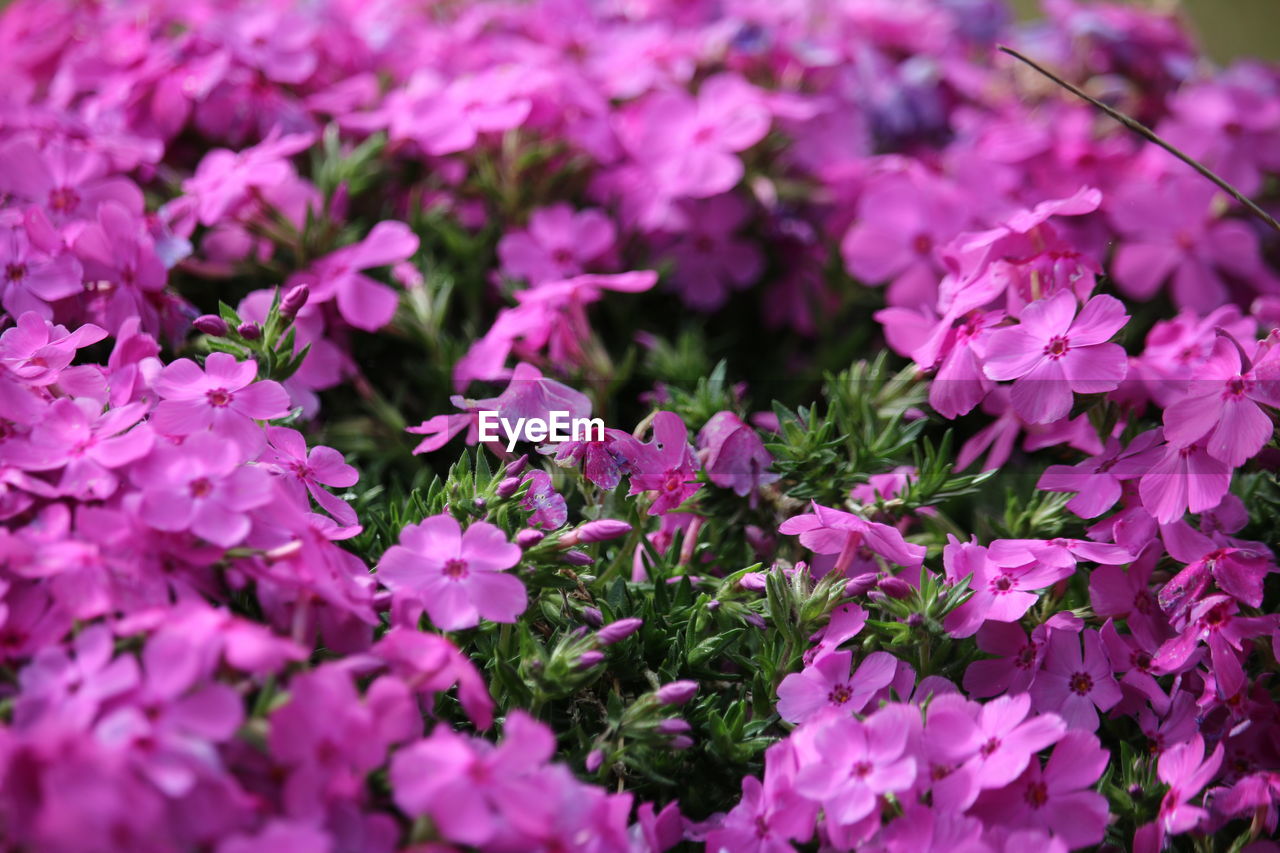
(266, 268)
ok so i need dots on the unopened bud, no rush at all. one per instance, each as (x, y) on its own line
(589, 659)
(529, 537)
(860, 584)
(592, 616)
(677, 692)
(211, 324)
(680, 742)
(594, 759)
(516, 466)
(508, 487)
(617, 631)
(578, 558)
(674, 726)
(602, 530)
(249, 331)
(293, 301)
(480, 504)
(895, 587)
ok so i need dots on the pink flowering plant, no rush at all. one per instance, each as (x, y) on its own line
(927, 488)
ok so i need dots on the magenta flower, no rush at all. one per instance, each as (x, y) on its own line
(362, 302)
(546, 506)
(223, 397)
(826, 685)
(1052, 352)
(709, 260)
(665, 465)
(458, 577)
(1185, 478)
(1001, 593)
(1222, 410)
(36, 351)
(32, 277)
(302, 472)
(734, 456)
(227, 181)
(1010, 740)
(69, 181)
(202, 486)
(852, 764)
(472, 790)
(86, 444)
(1186, 771)
(832, 531)
(119, 258)
(1097, 480)
(1074, 686)
(771, 814)
(1058, 798)
(559, 243)
(1017, 662)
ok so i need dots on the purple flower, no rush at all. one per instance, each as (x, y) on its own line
(1052, 352)
(303, 472)
(665, 466)
(559, 243)
(86, 444)
(1074, 685)
(32, 277)
(362, 302)
(832, 531)
(735, 457)
(1009, 739)
(458, 577)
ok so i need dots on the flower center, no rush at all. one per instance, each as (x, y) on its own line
(1057, 347)
(201, 487)
(1037, 794)
(1082, 683)
(455, 569)
(673, 482)
(1142, 661)
(923, 244)
(562, 256)
(63, 200)
(989, 747)
(1026, 657)
(15, 272)
(839, 694)
(1236, 386)
(862, 769)
(1004, 583)
(219, 397)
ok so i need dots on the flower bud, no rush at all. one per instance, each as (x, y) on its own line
(508, 487)
(594, 759)
(516, 466)
(480, 504)
(529, 537)
(592, 616)
(211, 324)
(860, 584)
(249, 331)
(681, 742)
(293, 301)
(677, 692)
(590, 659)
(674, 726)
(617, 631)
(602, 530)
(578, 558)
(895, 587)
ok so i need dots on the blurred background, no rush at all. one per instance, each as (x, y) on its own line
(1227, 28)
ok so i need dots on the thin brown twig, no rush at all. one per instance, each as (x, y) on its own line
(1151, 136)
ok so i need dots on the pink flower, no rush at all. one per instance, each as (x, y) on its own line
(120, 259)
(362, 302)
(832, 531)
(1186, 771)
(826, 685)
(559, 242)
(473, 790)
(709, 259)
(457, 576)
(37, 351)
(1073, 686)
(1185, 478)
(1097, 479)
(665, 465)
(32, 277)
(86, 444)
(1004, 579)
(1221, 408)
(734, 455)
(1010, 740)
(224, 398)
(770, 815)
(1058, 798)
(1052, 353)
(688, 146)
(302, 472)
(848, 765)
(202, 486)
(1170, 230)
(226, 181)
